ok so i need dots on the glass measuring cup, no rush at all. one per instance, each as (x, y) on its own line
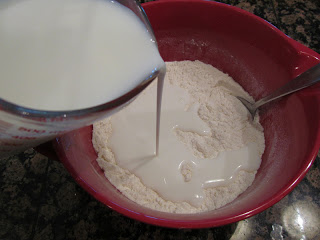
(22, 128)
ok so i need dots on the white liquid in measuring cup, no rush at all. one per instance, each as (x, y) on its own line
(66, 55)
(71, 54)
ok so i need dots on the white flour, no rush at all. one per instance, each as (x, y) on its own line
(230, 129)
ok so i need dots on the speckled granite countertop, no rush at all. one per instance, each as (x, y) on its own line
(40, 200)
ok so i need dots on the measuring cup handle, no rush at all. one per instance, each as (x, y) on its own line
(47, 150)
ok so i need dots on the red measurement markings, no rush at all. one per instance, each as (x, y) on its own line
(38, 119)
(30, 130)
(58, 119)
(24, 137)
(43, 119)
(5, 144)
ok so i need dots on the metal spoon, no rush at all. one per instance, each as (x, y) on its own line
(306, 79)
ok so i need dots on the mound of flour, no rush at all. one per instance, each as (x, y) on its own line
(230, 129)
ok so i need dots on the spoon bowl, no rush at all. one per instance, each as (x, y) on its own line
(306, 79)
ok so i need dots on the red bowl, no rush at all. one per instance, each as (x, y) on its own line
(260, 58)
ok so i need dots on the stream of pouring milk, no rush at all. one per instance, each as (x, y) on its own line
(59, 55)
(160, 84)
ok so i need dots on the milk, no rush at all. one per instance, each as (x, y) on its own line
(72, 54)
(132, 143)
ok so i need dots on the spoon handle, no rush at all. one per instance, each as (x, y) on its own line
(306, 79)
